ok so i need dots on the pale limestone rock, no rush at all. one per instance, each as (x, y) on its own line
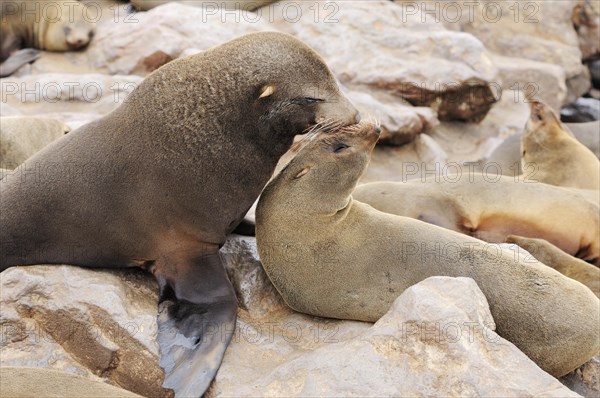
(95, 323)
(64, 92)
(368, 43)
(436, 340)
(400, 122)
(539, 81)
(585, 380)
(540, 31)
(170, 29)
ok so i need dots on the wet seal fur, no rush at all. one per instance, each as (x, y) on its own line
(31, 25)
(330, 255)
(159, 182)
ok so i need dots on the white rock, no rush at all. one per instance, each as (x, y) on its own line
(170, 29)
(400, 122)
(369, 43)
(95, 323)
(65, 92)
(437, 340)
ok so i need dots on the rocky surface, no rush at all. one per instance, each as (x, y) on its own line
(370, 43)
(437, 339)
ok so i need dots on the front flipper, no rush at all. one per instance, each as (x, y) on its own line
(17, 60)
(196, 319)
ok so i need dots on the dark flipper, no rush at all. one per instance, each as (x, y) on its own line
(196, 319)
(247, 227)
(18, 59)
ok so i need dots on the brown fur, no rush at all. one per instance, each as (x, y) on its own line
(330, 255)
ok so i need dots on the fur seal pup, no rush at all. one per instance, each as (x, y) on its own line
(491, 209)
(159, 182)
(330, 255)
(558, 158)
(23, 136)
(48, 25)
(567, 265)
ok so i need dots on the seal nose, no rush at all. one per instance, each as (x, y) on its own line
(77, 42)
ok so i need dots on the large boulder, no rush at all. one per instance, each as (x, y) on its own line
(539, 31)
(370, 44)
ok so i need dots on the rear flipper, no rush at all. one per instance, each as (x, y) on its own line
(196, 320)
(552, 256)
(18, 59)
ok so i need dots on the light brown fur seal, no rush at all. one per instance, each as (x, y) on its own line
(556, 155)
(330, 255)
(163, 179)
(507, 157)
(43, 25)
(49, 383)
(23, 136)
(564, 263)
(491, 210)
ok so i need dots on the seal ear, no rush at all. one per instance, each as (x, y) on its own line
(267, 90)
(302, 172)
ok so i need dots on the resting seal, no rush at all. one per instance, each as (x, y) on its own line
(250, 5)
(557, 157)
(567, 265)
(330, 255)
(159, 182)
(23, 136)
(40, 24)
(492, 209)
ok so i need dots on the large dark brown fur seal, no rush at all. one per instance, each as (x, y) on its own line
(159, 183)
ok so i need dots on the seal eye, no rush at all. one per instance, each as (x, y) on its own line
(310, 100)
(67, 30)
(339, 148)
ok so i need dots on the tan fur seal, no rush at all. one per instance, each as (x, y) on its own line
(159, 183)
(250, 5)
(492, 208)
(41, 24)
(330, 255)
(507, 157)
(49, 383)
(23, 136)
(557, 157)
(567, 265)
